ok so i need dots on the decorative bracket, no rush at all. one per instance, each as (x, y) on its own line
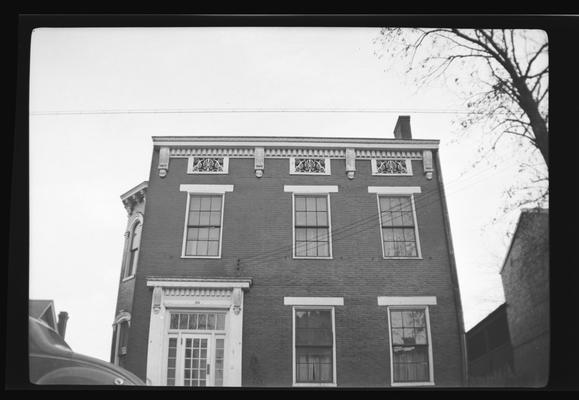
(350, 163)
(259, 165)
(237, 299)
(157, 299)
(427, 162)
(163, 161)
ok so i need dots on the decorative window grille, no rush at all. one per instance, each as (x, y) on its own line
(310, 166)
(410, 346)
(398, 227)
(208, 165)
(314, 346)
(391, 167)
(203, 321)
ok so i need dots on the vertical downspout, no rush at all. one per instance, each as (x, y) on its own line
(453, 272)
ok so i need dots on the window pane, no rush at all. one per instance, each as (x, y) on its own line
(409, 235)
(384, 203)
(310, 203)
(396, 318)
(386, 219)
(389, 249)
(215, 218)
(202, 322)
(301, 249)
(214, 233)
(216, 203)
(397, 336)
(388, 234)
(311, 234)
(300, 218)
(174, 321)
(301, 234)
(405, 204)
(322, 219)
(398, 234)
(192, 233)
(206, 203)
(410, 364)
(396, 218)
(202, 248)
(183, 321)
(407, 219)
(203, 233)
(311, 249)
(420, 335)
(394, 204)
(310, 218)
(191, 248)
(300, 203)
(211, 322)
(314, 364)
(204, 217)
(220, 323)
(195, 203)
(212, 248)
(323, 249)
(193, 218)
(321, 203)
(411, 249)
(193, 321)
(323, 235)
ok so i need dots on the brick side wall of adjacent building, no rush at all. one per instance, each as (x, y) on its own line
(526, 285)
(258, 219)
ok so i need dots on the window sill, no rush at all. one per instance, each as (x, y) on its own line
(313, 384)
(411, 384)
(128, 278)
(213, 257)
(313, 258)
(402, 258)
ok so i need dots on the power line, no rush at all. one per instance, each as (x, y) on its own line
(252, 110)
(426, 199)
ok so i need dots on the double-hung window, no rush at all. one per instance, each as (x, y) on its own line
(410, 340)
(398, 227)
(312, 224)
(204, 220)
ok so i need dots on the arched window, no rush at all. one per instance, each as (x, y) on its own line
(120, 337)
(135, 240)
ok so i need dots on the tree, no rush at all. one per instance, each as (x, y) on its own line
(502, 73)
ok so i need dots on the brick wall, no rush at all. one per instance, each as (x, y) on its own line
(258, 219)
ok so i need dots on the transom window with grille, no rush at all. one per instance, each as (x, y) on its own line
(312, 226)
(314, 346)
(203, 230)
(411, 356)
(399, 234)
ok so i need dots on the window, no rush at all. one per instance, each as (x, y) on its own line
(411, 355)
(312, 226)
(309, 166)
(314, 345)
(398, 227)
(203, 229)
(133, 250)
(391, 167)
(121, 340)
(208, 165)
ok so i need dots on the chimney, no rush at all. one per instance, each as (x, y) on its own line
(402, 128)
(61, 325)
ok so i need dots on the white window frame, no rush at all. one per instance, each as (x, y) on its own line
(128, 241)
(314, 307)
(204, 190)
(409, 303)
(292, 166)
(400, 191)
(305, 191)
(123, 317)
(190, 166)
(374, 164)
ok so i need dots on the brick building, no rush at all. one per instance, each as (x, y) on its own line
(290, 261)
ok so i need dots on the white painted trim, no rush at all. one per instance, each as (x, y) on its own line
(136, 189)
(190, 166)
(413, 144)
(394, 189)
(406, 300)
(292, 166)
(200, 284)
(207, 189)
(430, 358)
(311, 189)
(334, 369)
(330, 257)
(418, 250)
(313, 301)
(374, 165)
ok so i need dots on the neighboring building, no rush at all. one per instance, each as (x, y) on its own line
(290, 261)
(44, 311)
(490, 353)
(525, 275)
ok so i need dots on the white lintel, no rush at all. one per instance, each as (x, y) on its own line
(311, 188)
(206, 188)
(313, 301)
(394, 189)
(406, 300)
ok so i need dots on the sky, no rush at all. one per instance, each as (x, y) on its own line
(81, 163)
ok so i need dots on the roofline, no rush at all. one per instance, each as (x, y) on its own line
(134, 190)
(294, 141)
(523, 211)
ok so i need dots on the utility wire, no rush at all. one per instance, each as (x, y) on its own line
(252, 110)
(426, 199)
